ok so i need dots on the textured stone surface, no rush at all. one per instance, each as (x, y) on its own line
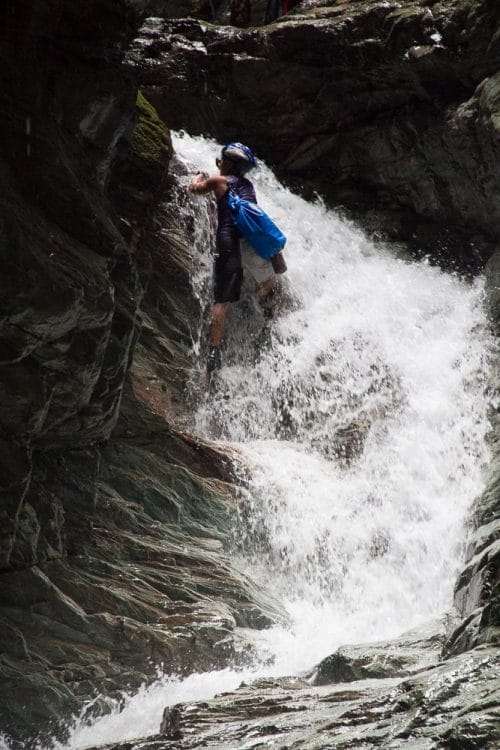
(450, 706)
(477, 593)
(113, 526)
(410, 653)
(69, 287)
(214, 11)
(376, 105)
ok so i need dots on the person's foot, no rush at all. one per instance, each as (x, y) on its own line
(214, 360)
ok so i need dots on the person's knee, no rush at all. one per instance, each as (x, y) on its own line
(219, 309)
(218, 313)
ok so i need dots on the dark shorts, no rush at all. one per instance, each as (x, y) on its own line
(228, 270)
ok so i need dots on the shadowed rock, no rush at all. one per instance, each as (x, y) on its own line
(171, 723)
(376, 106)
(113, 529)
(113, 526)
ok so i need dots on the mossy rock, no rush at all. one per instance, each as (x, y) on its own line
(140, 168)
(151, 142)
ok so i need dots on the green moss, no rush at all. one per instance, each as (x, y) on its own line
(139, 170)
(151, 139)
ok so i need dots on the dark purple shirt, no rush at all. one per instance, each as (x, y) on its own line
(243, 188)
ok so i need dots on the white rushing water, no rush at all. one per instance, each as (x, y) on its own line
(392, 350)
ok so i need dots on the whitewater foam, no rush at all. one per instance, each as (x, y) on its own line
(362, 410)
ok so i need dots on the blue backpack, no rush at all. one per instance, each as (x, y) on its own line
(256, 226)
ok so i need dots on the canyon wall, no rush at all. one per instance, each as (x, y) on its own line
(114, 526)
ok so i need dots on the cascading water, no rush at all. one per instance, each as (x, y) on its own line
(361, 410)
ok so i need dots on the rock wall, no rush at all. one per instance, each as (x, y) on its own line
(113, 527)
(477, 592)
(214, 11)
(70, 290)
(388, 109)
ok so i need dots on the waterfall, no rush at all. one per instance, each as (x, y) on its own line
(361, 411)
(378, 347)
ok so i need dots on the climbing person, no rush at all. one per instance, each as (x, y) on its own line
(233, 253)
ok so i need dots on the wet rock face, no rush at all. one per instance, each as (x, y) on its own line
(113, 528)
(448, 706)
(70, 293)
(376, 105)
(477, 591)
(69, 289)
(409, 654)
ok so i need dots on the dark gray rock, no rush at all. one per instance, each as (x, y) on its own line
(171, 723)
(113, 527)
(449, 705)
(374, 105)
(477, 593)
(412, 652)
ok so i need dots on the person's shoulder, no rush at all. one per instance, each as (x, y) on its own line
(217, 179)
(218, 184)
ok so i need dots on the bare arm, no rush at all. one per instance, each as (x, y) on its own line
(202, 183)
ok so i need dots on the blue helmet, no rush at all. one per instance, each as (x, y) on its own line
(241, 155)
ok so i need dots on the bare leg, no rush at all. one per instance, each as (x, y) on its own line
(217, 320)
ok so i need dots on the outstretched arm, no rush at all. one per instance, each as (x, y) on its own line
(202, 183)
